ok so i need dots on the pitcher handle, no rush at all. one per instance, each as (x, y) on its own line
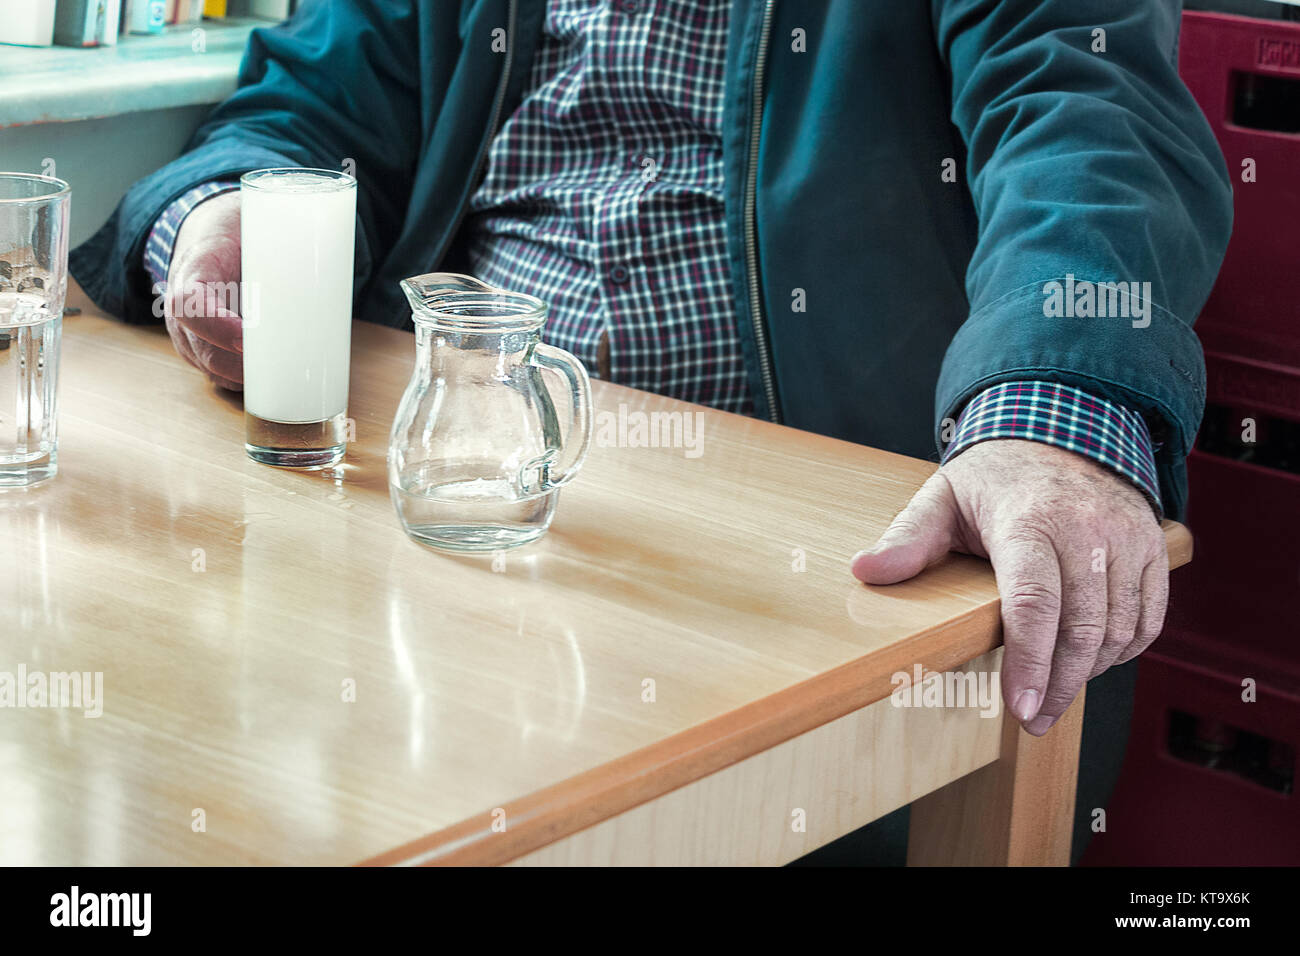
(575, 440)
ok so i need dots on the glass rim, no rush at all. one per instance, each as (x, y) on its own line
(332, 179)
(438, 312)
(61, 190)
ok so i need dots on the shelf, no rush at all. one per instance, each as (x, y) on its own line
(62, 84)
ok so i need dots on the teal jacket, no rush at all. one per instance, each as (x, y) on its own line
(903, 179)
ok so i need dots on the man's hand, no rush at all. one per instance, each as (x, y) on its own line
(200, 307)
(1079, 557)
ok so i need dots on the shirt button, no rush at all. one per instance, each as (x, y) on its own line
(619, 274)
(629, 6)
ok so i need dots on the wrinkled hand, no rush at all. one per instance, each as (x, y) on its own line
(201, 304)
(1079, 558)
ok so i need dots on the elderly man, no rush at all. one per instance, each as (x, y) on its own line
(982, 224)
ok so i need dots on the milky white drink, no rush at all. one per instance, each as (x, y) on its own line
(297, 229)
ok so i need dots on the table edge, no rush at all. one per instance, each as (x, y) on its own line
(581, 801)
(562, 809)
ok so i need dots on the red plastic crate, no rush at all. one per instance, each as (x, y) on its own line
(1250, 326)
(1169, 812)
(1231, 613)
(1234, 607)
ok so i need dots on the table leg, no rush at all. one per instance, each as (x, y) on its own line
(1017, 811)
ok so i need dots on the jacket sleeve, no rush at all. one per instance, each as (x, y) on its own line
(1088, 158)
(336, 83)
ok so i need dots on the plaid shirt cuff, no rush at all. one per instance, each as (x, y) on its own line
(161, 243)
(1066, 417)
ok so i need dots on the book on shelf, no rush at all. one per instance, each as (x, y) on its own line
(27, 22)
(215, 9)
(184, 11)
(270, 9)
(189, 11)
(76, 22)
(111, 25)
(147, 16)
(86, 22)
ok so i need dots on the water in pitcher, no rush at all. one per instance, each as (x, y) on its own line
(470, 506)
(29, 357)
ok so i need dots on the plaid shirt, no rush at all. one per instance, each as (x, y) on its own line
(604, 190)
(603, 195)
(1066, 417)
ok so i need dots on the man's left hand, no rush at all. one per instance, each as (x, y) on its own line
(1080, 562)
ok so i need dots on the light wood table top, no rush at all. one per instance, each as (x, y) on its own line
(230, 606)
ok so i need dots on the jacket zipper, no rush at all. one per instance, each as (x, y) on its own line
(751, 221)
(497, 103)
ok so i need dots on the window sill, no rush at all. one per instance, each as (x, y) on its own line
(64, 84)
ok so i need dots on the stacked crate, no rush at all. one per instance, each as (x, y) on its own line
(1210, 769)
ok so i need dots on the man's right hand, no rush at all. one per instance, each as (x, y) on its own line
(201, 305)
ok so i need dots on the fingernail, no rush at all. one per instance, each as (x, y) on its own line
(1040, 726)
(1026, 706)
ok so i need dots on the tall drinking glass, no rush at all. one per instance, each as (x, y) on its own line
(297, 228)
(33, 286)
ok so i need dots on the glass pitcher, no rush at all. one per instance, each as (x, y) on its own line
(492, 423)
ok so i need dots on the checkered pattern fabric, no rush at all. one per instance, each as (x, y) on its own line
(162, 237)
(1067, 418)
(603, 195)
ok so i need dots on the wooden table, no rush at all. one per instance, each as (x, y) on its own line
(683, 671)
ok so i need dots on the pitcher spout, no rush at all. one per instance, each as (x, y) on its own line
(424, 292)
(448, 300)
